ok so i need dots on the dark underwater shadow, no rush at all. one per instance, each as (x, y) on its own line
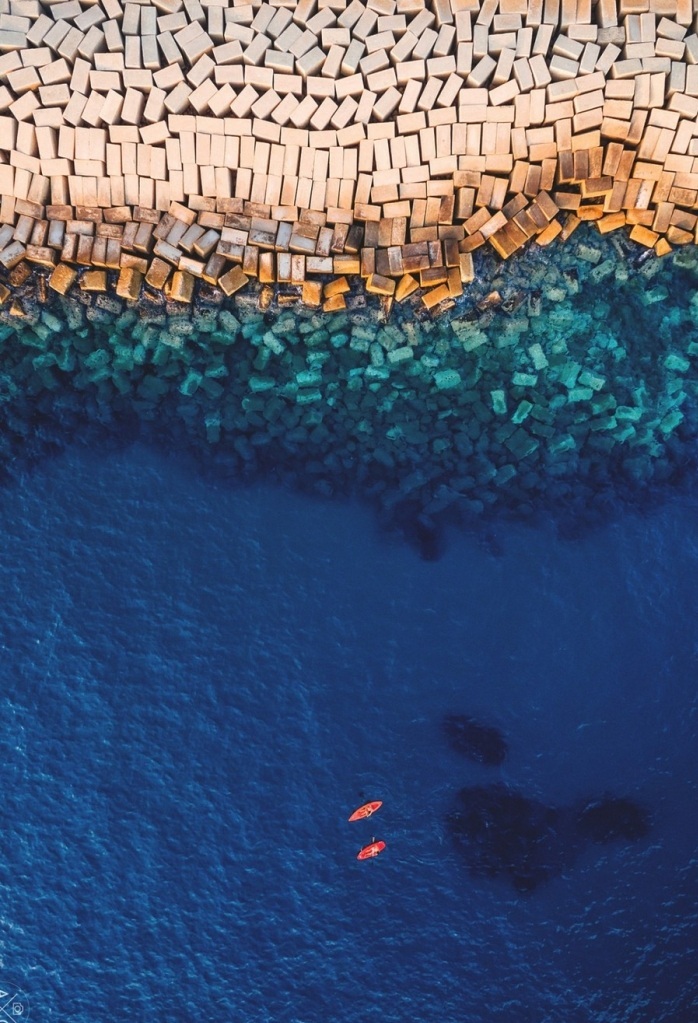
(483, 744)
(611, 819)
(34, 428)
(574, 512)
(34, 432)
(502, 833)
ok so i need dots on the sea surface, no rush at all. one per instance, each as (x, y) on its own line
(200, 680)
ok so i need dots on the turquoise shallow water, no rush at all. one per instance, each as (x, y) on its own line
(200, 682)
(565, 382)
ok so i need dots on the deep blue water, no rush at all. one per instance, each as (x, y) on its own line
(199, 683)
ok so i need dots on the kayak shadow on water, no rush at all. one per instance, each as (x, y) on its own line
(504, 833)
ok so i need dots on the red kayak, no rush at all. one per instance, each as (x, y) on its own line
(369, 851)
(366, 810)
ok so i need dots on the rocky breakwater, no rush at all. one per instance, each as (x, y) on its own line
(182, 143)
(561, 384)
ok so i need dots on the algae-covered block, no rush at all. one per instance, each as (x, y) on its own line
(625, 433)
(377, 373)
(524, 379)
(403, 354)
(630, 413)
(542, 429)
(309, 378)
(259, 384)
(169, 340)
(522, 411)
(97, 359)
(593, 380)
(650, 296)
(504, 474)
(603, 403)
(390, 337)
(308, 397)
(472, 339)
(603, 443)
(272, 342)
(677, 363)
(589, 253)
(377, 354)
(568, 373)
(446, 379)
(52, 322)
(538, 356)
(565, 442)
(228, 322)
(521, 444)
(358, 343)
(579, 394)
(190, 384)
(499, 402)
(153, 388)
(671, 421)
(601, 271)
(212, 422)
(603, 423)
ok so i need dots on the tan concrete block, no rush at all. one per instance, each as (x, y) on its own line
(129, 284)
(540, 71)
(434, 296)
(406, 286)
(62, 278)
(233, 280)
(481, 73)
(644, 236)
(587, 120)
(504, 93)
(376, 284)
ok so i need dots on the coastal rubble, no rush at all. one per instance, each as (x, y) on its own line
(560, 395)
(183, 143)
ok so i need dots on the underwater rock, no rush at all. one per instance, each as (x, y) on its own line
(504, 833)
(420, 530)
(481, 743)
(572, 407)
(428, 538)
(612, 818)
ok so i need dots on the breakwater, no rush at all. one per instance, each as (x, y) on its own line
(178, 143)
(558, 383)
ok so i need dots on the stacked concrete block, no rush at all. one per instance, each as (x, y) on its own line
(223, 141)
